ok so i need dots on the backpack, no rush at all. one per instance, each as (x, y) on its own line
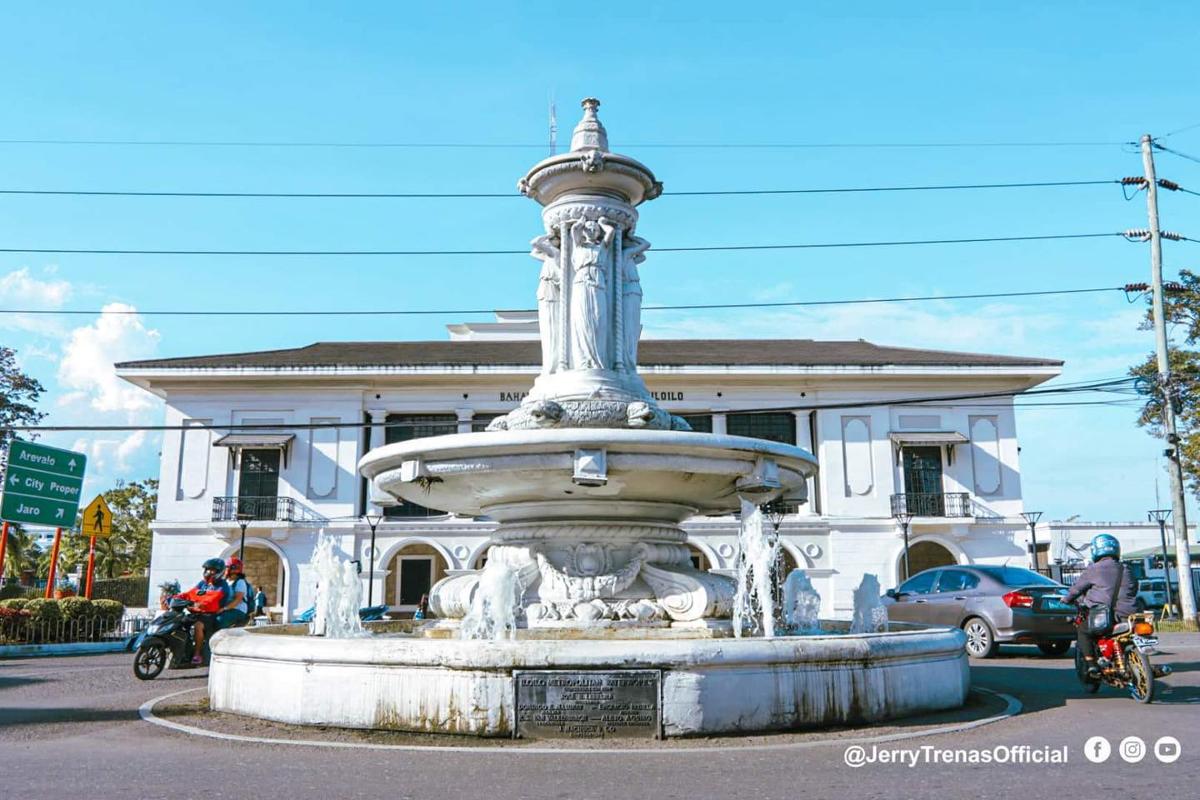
(248, 598)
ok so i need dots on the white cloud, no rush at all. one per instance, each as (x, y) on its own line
(19, 289)
(87, 369)
(92, 394)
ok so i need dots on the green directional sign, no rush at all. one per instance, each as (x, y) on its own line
(42, 485)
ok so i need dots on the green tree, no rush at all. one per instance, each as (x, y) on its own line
(127, 550)
(1181, 310)
(19, 394)
(20, 553)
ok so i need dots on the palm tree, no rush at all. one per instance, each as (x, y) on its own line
(20, 553)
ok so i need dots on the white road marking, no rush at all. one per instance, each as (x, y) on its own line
(146, 712)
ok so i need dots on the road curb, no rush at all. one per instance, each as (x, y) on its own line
(67, 649)
(146, 712)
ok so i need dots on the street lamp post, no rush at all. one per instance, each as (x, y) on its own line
(1161, 515)
(904, 518)
(243, 519)
(1032, 518)
(373, 521)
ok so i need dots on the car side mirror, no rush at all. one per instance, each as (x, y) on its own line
(892, 593)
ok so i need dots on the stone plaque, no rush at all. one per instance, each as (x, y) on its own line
(608, 704)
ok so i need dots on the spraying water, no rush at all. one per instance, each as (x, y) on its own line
(870, 614)
(494, 605)
(801, 604)
(339, 594)
(754, 604)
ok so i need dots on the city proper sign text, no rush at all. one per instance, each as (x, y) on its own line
(42, 485)
(569, 704)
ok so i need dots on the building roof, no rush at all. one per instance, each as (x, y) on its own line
(651, 352)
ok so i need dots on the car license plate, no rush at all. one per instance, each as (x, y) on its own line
(1054, 605)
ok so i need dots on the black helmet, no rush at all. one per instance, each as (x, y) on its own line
(216, 564)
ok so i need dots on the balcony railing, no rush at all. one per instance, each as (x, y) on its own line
(923, 504)
(257, 509)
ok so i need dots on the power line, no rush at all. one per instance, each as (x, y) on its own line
(696, 249)
(1106, 385)
(515, 195)
(475, 311)
(1165, 149)
(417, 145)
(1180, 130)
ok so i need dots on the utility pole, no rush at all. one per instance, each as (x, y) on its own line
(1183, 561)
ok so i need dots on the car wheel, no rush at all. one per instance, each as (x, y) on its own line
(1056, 647)
(981, 643)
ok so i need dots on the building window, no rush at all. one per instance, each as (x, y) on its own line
(774, 427)
(479, 422)
(258, 483)
(404, 427)
(701, 423)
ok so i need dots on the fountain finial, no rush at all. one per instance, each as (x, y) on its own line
(589, 134)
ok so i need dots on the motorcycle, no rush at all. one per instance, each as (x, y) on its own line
(1123, 658)
(366, 613)
(167, 641)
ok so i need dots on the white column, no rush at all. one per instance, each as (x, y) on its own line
(719, 422)
(804, 439)
(378, 417)
(465, 415)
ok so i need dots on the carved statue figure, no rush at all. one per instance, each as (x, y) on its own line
(591, 244)
(549, 299)
(631, 297)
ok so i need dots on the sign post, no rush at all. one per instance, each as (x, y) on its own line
(3, 545)
(97, 521)
(53, 563)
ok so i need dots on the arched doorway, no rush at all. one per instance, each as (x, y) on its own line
(699, 559)
(412, 571)
(264, 570)
(925, 555)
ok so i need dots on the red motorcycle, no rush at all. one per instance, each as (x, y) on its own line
(1123, 658)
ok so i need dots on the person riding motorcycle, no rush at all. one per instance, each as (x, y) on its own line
(1095, 587)
(208, 597)
(237, 608)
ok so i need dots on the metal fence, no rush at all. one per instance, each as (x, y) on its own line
(21, 629)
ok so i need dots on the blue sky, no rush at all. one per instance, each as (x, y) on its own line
(667, 74)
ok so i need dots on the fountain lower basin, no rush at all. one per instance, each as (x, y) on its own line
(708, 685)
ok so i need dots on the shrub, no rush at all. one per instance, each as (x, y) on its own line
(108, 608)
(15, 603)
(12, 623)
(76, 608)
(129, 591)
(43, 611)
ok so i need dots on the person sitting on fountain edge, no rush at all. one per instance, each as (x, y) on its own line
(1106, 581)
(208, 597)
(236, 611)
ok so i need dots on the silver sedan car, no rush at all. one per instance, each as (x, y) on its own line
(993, 605)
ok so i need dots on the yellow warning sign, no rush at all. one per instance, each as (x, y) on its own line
(97, 518)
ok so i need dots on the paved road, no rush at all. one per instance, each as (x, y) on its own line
(69, 726)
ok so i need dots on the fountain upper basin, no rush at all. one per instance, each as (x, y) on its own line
(582, 473)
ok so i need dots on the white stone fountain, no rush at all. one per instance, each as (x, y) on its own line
(589, 580)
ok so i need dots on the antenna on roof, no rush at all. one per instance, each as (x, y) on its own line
(553, 126)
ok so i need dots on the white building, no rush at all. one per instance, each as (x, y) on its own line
(953, 463)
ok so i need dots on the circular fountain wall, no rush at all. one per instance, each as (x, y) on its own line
(708, 686)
